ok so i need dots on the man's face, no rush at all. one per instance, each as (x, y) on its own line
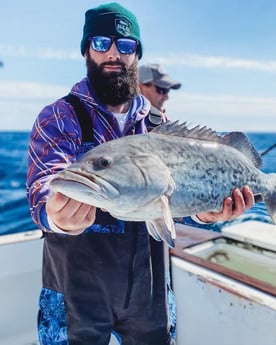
(113, 75)
(152, 94)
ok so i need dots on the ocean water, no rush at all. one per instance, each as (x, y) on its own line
(14, 211)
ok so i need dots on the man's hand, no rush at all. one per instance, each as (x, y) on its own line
(234, 206)
(68, 214)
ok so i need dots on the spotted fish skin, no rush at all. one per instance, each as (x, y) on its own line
(173, 171)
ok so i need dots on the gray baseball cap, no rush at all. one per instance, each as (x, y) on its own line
(155, 74)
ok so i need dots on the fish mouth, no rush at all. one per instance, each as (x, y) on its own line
(85, 181)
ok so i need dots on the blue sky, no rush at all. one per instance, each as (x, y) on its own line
(222, 51)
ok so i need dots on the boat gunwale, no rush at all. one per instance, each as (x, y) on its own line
(188, 237)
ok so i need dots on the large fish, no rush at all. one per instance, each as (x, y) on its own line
(173, 171)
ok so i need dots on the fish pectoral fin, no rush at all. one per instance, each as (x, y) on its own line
(163, 228)
(152, 228)
(159, 231)
(167, 215)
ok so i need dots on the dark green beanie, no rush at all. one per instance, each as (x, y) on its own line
(111, 20)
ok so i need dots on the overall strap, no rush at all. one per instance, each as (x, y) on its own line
(83, 117)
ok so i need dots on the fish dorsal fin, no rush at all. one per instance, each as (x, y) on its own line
(237, 140)
(182, 130)
(240, 141)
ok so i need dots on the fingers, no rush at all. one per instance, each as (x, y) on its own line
(233, 206)
(56, 202)
(242, 201)
(76, 215)
(248, 197)
(69, 214)
(238, 203)
(227, 209)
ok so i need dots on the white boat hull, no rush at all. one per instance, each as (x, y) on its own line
(215, 310)
(221, 306)
(20, 284)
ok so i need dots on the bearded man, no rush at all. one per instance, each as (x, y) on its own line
(105, 281)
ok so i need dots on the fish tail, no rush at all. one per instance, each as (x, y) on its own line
(270, 199)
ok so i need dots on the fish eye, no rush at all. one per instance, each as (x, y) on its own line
(104, 162)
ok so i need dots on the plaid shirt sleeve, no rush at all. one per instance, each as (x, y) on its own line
(54, 142)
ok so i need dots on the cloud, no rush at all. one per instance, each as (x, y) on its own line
(205, 61)
(15, 90)
(189, 60)
(224, 112)
(20, 102)
(43, 53)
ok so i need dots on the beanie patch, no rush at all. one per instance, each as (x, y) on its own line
(123, 26)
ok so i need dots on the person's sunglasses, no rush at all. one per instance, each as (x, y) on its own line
(103, 43)
(161, 90)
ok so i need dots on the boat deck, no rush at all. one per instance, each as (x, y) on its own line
(210, 297)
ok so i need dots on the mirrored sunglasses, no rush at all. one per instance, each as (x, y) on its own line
(103, 43)
(161, 90)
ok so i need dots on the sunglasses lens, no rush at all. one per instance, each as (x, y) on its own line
(161, 90)
(101, 43)
(126, 45)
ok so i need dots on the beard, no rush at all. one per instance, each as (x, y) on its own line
(112, 88)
